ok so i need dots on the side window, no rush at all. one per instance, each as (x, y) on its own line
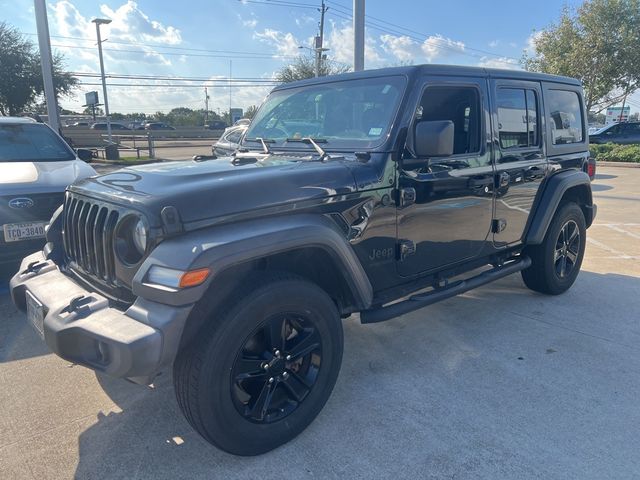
(460, 105)
(565, 115)
(517, 118)
(233, 137)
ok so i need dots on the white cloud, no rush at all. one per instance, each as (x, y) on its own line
(250, 23)
(404, 48)
(285, 43)
(437, 46)
(494, 43)
(530, 48)
(340, 42)
(499, 62)
(129, 24)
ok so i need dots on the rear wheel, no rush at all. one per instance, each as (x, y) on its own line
(555, 263)
(262, 371)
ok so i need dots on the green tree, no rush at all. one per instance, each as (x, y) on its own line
(251, 111)
(21, 74)
(305, 67)
(598, 43)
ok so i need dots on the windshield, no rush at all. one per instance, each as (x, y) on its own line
(32, 143)
(348, 113)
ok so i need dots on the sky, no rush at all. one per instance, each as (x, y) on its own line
(209, 42)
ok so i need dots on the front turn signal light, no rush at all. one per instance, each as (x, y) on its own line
(193, 278)
(175, 279)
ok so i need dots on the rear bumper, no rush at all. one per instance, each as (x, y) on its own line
(134, 344)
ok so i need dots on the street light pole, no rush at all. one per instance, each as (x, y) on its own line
(98, 22)
(47, 64)
(358, 35)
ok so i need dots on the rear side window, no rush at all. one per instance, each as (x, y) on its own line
(517, 118)
(565, 114)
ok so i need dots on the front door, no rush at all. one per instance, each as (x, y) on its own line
(519, 157)
(445, 204)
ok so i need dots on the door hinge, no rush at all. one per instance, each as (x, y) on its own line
(407, 196)
(498, 225)
(406, 248)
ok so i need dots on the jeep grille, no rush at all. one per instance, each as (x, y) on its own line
(88, 236)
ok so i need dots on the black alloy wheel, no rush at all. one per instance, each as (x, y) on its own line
(276, 368)
(567, 249)
(556, 262)
(262, 366)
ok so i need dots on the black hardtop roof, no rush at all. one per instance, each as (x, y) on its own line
(433, 69)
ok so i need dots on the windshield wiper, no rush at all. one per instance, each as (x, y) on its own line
(263, 141)
(314, 142)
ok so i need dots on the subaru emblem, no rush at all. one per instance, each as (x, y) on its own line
(22, 202)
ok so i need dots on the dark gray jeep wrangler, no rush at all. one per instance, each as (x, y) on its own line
(378, 192)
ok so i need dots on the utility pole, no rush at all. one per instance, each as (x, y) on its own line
(320, 39)
(98, 22)
(44, 43)
(206, 106)
(230, 73)
(358, 35)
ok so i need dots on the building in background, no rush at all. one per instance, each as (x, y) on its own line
(613, 115)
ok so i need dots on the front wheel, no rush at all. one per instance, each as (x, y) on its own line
(555, 263)
(261, 372)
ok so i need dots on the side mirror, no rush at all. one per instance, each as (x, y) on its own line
(434, 139)
(84, 154)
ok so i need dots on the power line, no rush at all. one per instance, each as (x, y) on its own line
(176, 53)
(156, 85)
(151, 45)
(174, 78)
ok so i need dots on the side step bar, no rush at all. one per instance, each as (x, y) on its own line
(422, 300)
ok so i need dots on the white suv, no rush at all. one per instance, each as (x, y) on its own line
(36, 165)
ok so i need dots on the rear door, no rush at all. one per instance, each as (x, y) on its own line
(520, 160)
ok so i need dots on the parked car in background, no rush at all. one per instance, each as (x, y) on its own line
(136, 126)
(621, 133)
(36, 165)
(229, 141)
(216, 125)
(158, 126)
(80, 125)
(103, 126)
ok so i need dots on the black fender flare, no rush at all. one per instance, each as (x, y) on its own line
(552, 191)
(223, 246)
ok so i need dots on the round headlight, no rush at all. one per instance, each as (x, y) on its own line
(140, 237)
(132, 237)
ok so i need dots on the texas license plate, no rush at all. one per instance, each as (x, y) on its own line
(35, 313)
(15, 232)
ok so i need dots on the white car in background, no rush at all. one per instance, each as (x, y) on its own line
(229, 141)
(36, 165)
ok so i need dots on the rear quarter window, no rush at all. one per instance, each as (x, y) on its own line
(565, 117)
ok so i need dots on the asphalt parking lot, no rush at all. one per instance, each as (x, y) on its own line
(497, 383)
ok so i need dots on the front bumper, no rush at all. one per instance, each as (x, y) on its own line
(80, 326)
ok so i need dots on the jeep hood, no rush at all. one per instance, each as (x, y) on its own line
(219, 188)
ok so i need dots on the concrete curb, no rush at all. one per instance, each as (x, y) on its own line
(618, 164)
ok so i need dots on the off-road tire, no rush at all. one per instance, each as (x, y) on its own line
(204, 369)
(543, 275)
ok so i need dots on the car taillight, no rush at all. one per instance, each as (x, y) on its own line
(591, 169)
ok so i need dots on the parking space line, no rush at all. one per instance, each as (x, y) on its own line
(603, 246)
(622, 230)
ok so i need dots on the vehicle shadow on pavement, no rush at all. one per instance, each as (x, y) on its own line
(499, 382)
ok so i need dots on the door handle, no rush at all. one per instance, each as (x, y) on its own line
(503, 179)
(534, 172)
